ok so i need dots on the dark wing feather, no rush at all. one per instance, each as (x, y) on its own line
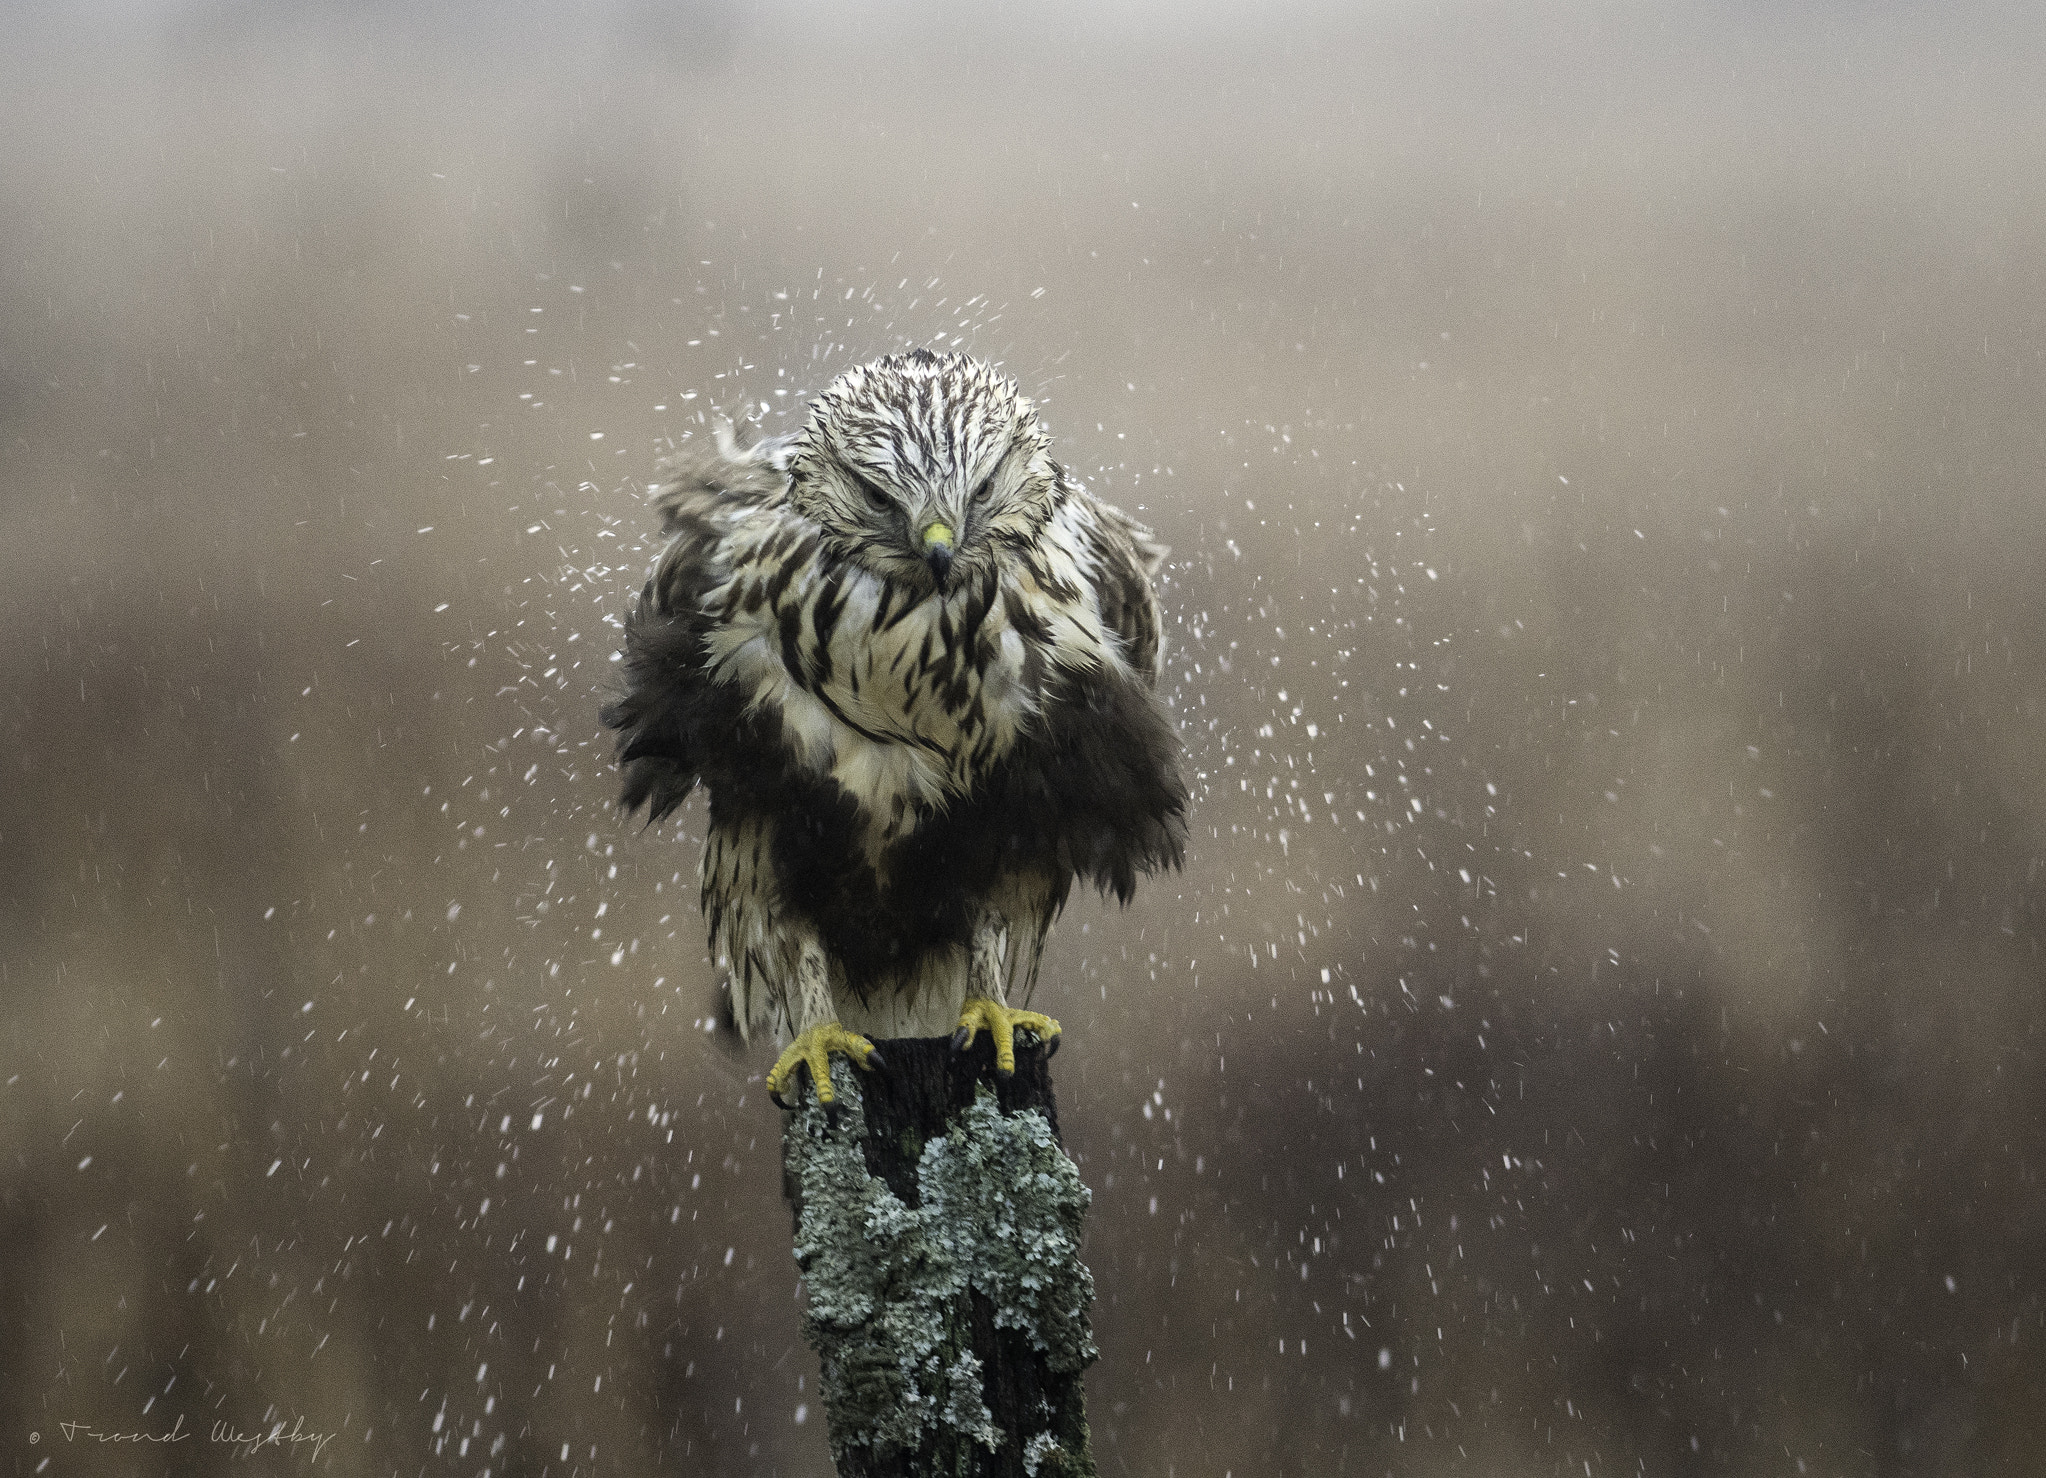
(672, 718)
(1101, 773)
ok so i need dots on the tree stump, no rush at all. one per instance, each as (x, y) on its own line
(938, 1231)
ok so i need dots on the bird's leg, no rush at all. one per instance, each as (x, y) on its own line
(986, 999)
(821, 1035)
(1029, 904)
(1026, 950)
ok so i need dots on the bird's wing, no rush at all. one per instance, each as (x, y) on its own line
(1102, 777)
(673, 717)
(1125, 557)
(720, 475)
(1096, 780)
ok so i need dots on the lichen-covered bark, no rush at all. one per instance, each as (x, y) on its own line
(938, 1230)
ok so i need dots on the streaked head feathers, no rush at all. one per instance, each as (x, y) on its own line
(919, 464)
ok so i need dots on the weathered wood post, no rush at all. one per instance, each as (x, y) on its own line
(938, 1231)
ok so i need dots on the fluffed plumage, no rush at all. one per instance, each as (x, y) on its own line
(913, 661)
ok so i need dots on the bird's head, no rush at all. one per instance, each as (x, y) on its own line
(921, 467)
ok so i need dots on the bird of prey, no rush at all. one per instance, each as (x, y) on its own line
(912, 660)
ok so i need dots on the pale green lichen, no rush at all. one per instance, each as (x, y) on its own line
(964, 1409)
(1037, 1450)
(1003, 1198)
(889, 1308)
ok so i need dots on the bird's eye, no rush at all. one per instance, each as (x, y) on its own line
(873, 494)
(987, 485)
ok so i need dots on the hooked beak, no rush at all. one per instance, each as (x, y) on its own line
(938, 546)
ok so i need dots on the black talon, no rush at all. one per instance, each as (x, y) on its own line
(1051, 1048)
(794, 1084)
(874, 1060)
(959, 1040)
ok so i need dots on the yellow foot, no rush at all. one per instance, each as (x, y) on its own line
(1001, 1024)
(813, 1049)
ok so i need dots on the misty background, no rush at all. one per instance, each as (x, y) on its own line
(1599, 1026)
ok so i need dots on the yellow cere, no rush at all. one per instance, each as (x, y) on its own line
(938, 534)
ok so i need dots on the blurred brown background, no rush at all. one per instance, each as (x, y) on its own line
(1599, 1027)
